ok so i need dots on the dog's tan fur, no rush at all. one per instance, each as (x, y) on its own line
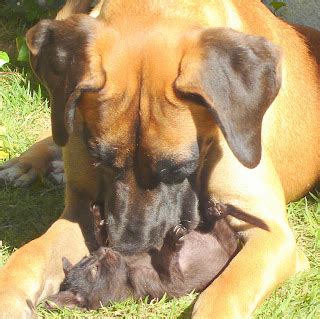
(288, 169)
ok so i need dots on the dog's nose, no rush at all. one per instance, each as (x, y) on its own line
(171, 172)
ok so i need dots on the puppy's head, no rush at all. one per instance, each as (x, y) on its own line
(93, 282)
(150, 105)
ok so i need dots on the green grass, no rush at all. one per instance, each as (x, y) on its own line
(299, 297)
(24, 113)
(164, 308)
(26, 213)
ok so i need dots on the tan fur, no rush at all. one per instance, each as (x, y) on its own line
(288, 169)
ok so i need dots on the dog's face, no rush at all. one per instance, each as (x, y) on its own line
(150, 105)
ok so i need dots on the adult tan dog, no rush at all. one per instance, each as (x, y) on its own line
(160, 104)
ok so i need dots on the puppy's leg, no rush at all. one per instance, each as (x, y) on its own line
(40, 159)
(99, 225)
(35, 271)
(166, 260)
(268, 256)
(174, 238)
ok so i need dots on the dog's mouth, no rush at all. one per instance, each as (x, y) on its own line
(138, 219)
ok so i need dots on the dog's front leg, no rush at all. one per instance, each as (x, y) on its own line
(267, 258)
(35, 270)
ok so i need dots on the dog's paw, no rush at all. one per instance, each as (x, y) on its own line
(17, 173)
(20, 172)
(56, 172)
(42, 159)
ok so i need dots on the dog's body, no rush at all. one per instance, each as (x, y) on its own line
(176, 150)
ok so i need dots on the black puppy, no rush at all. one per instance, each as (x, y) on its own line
(187, 260)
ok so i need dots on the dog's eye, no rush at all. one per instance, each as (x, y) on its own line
(171, 172)
(102, 154)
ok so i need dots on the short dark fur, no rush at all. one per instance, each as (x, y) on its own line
(136, 230)
(174, 269)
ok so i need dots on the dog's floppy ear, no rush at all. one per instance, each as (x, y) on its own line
(37, 35)
(59, 57)
(237, 76)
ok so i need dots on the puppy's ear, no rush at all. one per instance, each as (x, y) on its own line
(66, 299)
(236, 76)
(112, 258)
(59, 57)
(66, 265)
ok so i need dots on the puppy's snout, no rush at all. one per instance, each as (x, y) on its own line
(102, 251)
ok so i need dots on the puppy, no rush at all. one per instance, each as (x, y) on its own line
(187, 260)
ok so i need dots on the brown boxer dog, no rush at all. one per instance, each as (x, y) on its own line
(162, 106)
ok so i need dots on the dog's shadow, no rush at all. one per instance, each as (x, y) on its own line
(26, 213)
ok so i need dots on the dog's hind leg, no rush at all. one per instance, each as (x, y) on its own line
(41, 159)
(35, 270)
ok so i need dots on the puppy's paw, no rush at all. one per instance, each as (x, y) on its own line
(97, 213)
(175, 236)
(179, 231)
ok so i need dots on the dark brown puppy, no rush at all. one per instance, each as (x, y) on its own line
(187, 260)
(175, 269)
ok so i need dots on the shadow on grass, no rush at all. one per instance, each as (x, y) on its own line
(27, 213)
(186, 314)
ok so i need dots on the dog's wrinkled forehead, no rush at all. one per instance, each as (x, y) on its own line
(171, 88)
(163, 88)
(137, 115)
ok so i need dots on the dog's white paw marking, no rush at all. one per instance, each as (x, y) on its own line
(56, 174)
(57, 178)
(23, 174)
(13, 171)
(57, 166)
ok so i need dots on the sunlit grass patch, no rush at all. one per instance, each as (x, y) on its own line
(24, 112)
